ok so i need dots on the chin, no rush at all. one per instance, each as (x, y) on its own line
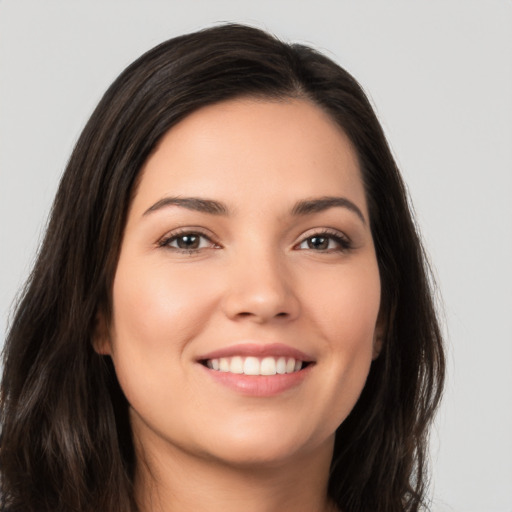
(265, 447)
(252, 456)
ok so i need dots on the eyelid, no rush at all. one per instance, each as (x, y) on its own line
(344, 242)
(182, 231)
(341, 238)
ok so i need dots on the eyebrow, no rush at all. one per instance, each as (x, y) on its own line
(301, 208)
(320, 204)
(191, 203)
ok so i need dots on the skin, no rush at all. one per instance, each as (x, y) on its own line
(256, 275)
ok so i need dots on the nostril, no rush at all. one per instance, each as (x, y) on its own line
(250, 303)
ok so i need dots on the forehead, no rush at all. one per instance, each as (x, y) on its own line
(247, 150)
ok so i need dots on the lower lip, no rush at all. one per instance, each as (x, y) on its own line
(259, 385)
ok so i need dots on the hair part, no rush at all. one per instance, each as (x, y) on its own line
(66, 440)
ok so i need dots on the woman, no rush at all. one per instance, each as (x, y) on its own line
(231, 308)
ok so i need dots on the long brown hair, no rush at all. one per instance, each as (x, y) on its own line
(66, 440)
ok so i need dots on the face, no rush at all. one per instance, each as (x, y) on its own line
(247, 291)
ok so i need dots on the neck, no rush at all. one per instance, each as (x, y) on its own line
(170, 480)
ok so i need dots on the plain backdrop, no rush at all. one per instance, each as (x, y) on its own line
(440, 76)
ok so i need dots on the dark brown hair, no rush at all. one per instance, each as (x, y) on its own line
(66, 441)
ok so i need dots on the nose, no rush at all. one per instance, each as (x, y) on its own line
(260, 289)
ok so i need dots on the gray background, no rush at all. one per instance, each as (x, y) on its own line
(440, 75)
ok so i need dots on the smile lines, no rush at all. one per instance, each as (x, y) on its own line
(256, 366)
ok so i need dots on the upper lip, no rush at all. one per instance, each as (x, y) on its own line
(257, 350)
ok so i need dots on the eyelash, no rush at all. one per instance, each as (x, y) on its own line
(166, 241)
(343, 242)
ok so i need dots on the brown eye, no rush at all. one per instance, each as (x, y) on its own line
(187, 242)
(319, 243)
(325, 242)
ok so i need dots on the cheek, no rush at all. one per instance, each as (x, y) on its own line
(155, 314)
(153, 306)
(345, 304)
(344, 309)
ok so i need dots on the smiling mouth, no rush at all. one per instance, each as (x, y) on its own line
(256, 366)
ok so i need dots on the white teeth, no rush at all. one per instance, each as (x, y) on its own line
(251, 366)
(268, 366)
(237, 365)
(281, 365)
(254, 366)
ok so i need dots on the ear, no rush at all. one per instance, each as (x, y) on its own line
(101, 336)
(378, 337)
(377, 344)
